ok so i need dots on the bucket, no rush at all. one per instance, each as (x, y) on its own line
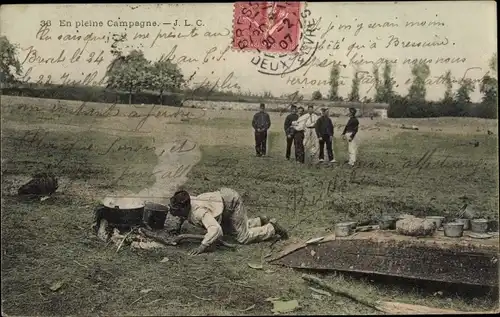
(479, 225)
(343, 229)
(438, 220)
(155, 215)
(387, 223)
(465, 221)
(453, 229)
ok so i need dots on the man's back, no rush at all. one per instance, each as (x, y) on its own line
(207, 202)
(261, 120)
(288, 121)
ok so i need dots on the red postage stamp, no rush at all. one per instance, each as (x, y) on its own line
(266, 26)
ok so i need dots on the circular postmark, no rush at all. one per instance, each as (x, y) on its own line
(283, 63)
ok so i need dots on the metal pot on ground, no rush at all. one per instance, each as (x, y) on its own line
(479, 225)
(155, 215)
(453, 229)
(438, 220)
(343, 229)
(466, 223)
(122, 214)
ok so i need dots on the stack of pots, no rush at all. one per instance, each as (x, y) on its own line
(465, 222)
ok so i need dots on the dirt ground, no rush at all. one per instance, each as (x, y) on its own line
(49, 244)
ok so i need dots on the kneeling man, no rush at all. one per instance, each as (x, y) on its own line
(222, 212)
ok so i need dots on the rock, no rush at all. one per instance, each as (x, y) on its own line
(415, 227)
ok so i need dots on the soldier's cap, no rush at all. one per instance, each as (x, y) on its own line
(262, 106)
(293, 106)
(324, 109)
(353, 110)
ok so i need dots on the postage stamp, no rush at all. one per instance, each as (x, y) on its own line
(266, 26)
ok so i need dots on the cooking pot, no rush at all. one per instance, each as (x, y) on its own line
(453, 229)
(465, 221)
(438, 220)
(343, 229)
(155, 215)
(123, 212)
(479, 225)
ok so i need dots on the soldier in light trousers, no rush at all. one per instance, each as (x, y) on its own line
(350, 131)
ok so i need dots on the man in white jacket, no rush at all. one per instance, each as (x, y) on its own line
(307, 123)
(222, 213)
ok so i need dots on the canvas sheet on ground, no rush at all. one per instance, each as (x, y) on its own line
(300, 115)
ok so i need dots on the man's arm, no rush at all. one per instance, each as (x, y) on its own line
(254, 121)
(317, 127)
(268, 121)
(330, 127)
(214, 230)
(288, 123)
(347, 125)
(355, 128)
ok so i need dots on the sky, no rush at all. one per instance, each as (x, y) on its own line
(457, 36)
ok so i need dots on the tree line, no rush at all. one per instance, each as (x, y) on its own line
(414, 104)
(134, 73)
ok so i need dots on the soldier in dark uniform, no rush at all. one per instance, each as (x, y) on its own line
(261, 123)
(289, 131)
(350, 131)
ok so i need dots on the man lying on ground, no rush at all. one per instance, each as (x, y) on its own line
(222, 212)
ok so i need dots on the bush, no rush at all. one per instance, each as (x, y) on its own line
(317, 95)
(90, 94)
(403, 107)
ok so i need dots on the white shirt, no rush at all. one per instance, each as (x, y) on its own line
(206, 211)
(305, 121)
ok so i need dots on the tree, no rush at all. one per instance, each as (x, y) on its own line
(379, 89)
(354, 95)
(164, 76)
(489, 89)
(9, 64)
(317, 95)
(448, 94)
(388, 85)
(417, 89)
(130, 73)
(334, 82)
(493, 63)
(463, 93)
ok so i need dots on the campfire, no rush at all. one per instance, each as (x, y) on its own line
(128, 221)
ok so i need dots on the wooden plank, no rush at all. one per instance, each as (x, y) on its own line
(467, 263)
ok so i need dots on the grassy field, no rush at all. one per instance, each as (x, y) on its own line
(49, 242)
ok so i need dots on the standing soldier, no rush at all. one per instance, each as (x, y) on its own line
(307, 123)
(298, 137)
(261, 123)
(289, 131)
(324, 131)
(350, 131)
(310, 139)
